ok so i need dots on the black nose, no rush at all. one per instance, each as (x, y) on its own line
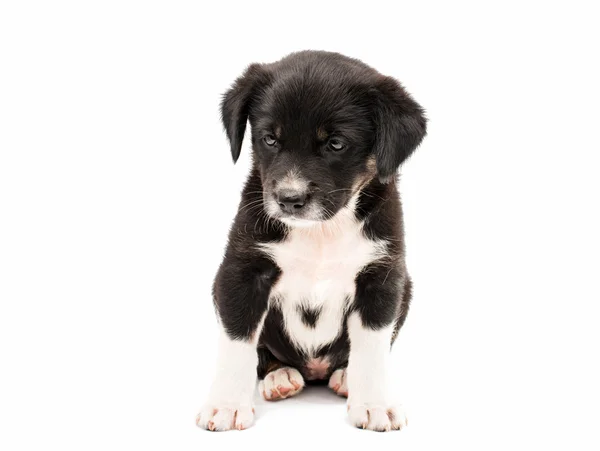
(291, 202)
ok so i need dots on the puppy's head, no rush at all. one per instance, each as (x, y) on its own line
(323, 125)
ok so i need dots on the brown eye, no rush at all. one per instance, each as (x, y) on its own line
(335, 145)
(270, 140)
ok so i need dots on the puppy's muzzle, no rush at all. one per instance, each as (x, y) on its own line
(291, 201)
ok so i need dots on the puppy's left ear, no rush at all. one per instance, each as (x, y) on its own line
(237, 104)
(400, 126)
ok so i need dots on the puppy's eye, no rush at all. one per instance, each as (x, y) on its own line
(335, 145)
(270, 140)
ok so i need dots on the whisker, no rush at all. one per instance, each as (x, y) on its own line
(373, 195)
(340, 189)
(251, 203)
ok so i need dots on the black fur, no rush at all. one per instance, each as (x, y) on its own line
(309, 316)
(306, 104)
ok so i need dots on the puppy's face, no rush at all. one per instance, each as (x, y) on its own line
(312, 145)
(323, 126)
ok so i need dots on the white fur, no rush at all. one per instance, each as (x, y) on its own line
(281, 383)
(293, 181)
(319, 264)
(230, 400)
(369, 403)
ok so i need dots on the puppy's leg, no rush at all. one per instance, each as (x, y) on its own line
(370, 329)
(241, 298)
(230, 401)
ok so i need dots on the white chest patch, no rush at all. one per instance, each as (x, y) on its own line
(319, 265)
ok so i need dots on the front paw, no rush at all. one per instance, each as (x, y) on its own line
(225, 418)
(377, 418)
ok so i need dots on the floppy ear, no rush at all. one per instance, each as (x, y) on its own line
(237, 102)
(400, 126)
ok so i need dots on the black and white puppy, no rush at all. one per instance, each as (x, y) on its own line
(313, 285)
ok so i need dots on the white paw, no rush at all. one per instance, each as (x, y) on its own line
(377, 418)
(281, 383)
(338, 382)
(216, 418)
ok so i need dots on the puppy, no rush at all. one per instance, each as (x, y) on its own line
(313, 285)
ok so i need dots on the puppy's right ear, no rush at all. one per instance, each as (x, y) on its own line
(237, 102)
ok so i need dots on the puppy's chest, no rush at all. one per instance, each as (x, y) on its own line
(317, 282)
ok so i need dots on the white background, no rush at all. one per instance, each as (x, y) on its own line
(117, 191)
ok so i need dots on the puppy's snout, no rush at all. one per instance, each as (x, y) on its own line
(291, 201)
